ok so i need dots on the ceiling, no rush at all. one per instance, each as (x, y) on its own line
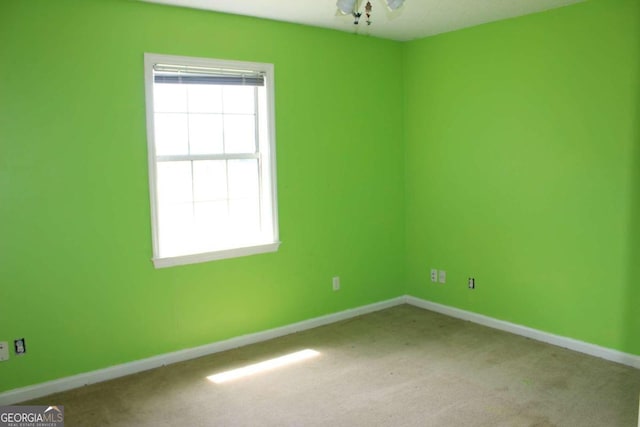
(416, 19)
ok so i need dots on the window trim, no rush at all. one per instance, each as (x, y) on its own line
(150, 59)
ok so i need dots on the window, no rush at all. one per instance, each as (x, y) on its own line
(210, 129)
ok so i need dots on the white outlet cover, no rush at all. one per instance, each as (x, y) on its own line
(4, 351)
(442, 276)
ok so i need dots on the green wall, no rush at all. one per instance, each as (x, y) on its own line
(509, 152)
(522, 167)
(76, 277)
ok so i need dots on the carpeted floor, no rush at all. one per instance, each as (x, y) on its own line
(403, 366)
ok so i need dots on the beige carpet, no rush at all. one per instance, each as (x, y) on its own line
(402, 366)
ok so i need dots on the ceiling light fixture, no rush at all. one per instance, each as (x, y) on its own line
(352, 7)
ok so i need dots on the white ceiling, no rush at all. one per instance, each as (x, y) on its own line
(416, 19)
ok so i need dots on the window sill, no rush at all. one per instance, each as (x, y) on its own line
(212, 256)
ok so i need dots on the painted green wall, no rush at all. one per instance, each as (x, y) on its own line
(522, 170)
(75, 247)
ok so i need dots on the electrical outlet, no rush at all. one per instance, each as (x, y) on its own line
(4, 351)
(442, 276)
(472, 283)
(336, 283)
(434, 275)
(20, 346)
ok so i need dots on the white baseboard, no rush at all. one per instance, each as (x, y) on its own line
(560, 341)
(68, 383)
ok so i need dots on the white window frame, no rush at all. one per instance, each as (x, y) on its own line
(266, 157)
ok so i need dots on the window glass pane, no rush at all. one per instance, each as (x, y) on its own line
(212, 217)
(244, 216)
(243, 179)
(176, 222)
(205, 134)
(169, 98)
(239, 134)
(176, 218)
(205, 98)
(209, 180)
(174, 182)
(171, 134)
(239, 99)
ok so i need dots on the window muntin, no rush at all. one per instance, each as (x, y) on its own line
(211, 158)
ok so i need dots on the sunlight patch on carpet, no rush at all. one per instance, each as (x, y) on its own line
(267, 365)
